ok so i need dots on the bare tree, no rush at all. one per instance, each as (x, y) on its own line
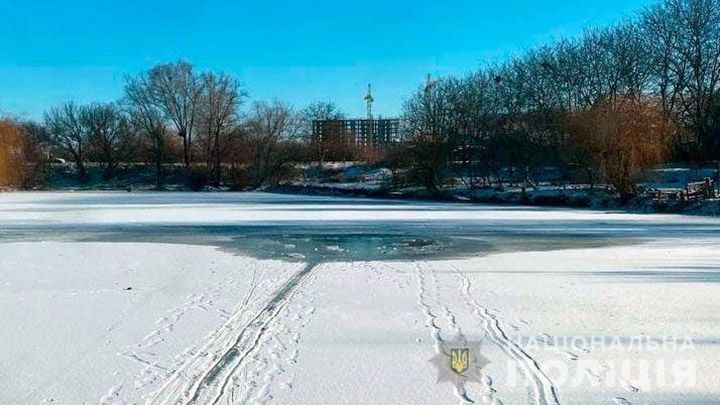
(667, 72)
(36, 153)
(111, 136)
(64, 124)
(324, 147)
(320, 110)
(473, 113)
(176, 90)
(148, 118)
(429, 124)
(686, 34)
(269, 128)
(218, 110)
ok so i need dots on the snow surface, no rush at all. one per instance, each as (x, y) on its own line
(250, 298)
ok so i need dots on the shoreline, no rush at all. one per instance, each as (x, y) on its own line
(598, 199)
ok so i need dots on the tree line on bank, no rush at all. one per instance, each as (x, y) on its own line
(169, 115)
(599, 109)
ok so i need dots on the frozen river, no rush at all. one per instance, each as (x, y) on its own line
(253, 297)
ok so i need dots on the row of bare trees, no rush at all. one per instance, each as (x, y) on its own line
(173, 114)
(604, 105)
(174, 98)
(98, 132)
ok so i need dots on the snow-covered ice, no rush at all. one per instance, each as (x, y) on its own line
(250, 297)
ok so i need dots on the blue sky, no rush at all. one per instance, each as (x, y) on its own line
(295, 51)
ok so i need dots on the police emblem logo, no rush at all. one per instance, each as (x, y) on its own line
(459, 359)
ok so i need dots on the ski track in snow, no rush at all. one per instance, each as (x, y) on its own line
(545, 392)
(153, 374)
(207, 374)
(215, 382)
(242, 361)
(269, 367)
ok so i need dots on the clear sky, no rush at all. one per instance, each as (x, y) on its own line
(296, 51)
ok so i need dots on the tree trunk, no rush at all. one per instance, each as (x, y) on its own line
(186, 149)
(217, 162)
(159, 144)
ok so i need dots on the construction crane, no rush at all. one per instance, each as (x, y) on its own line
(369, 99)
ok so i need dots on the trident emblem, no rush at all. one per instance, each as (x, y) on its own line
(459, 360)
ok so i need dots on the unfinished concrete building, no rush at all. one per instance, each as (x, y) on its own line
(363, 133)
